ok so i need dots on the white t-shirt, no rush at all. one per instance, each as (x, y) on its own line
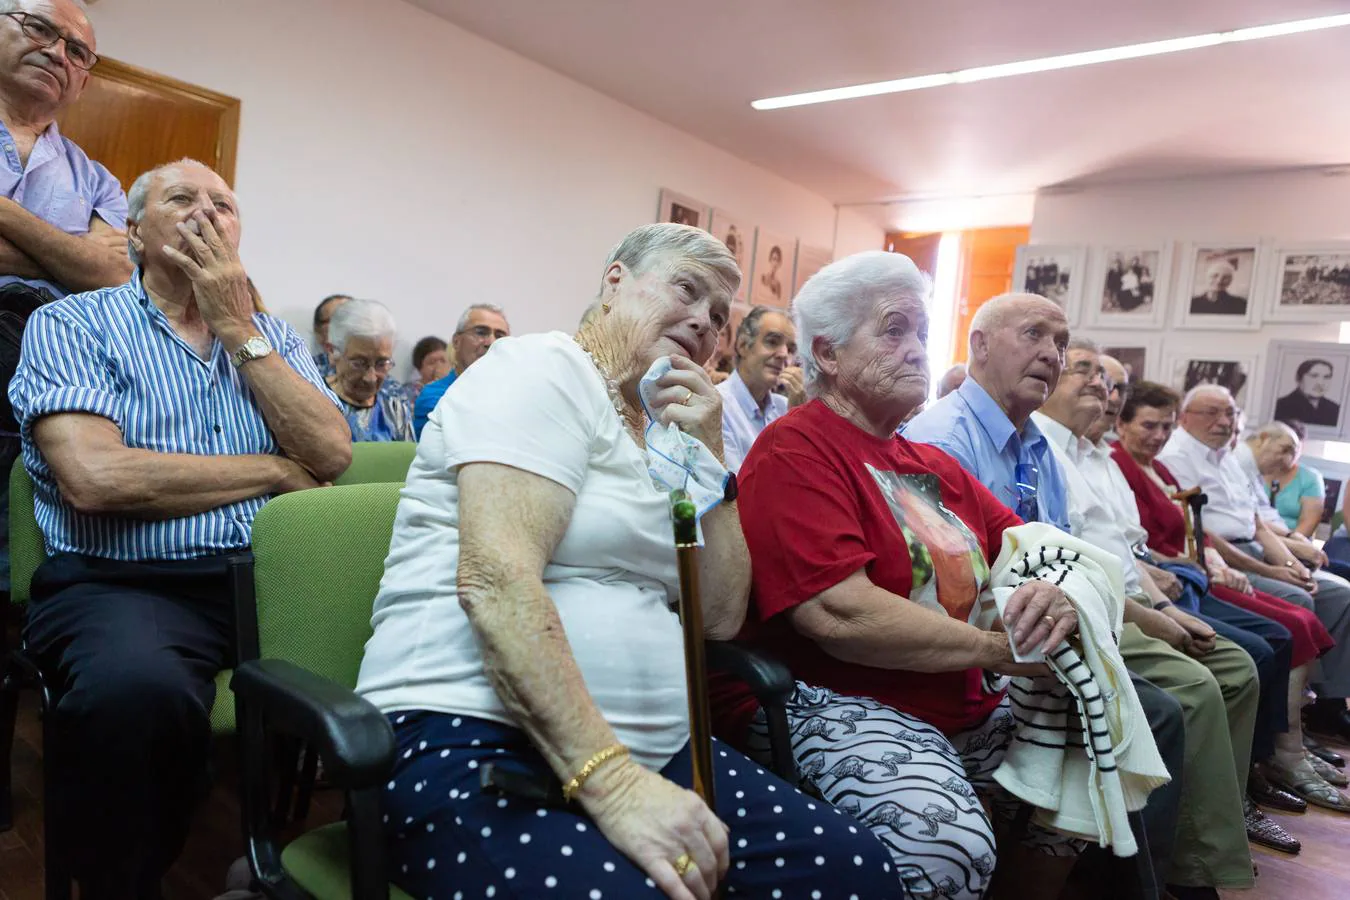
(537, 403)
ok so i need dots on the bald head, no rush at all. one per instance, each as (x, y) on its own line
(186, 193)
(952, 379)
(1017, 345)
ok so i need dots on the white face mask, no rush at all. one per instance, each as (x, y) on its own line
(676, 461)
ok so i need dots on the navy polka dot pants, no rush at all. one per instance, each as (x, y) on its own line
(449, 840)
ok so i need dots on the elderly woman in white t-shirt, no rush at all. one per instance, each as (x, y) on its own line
(525, 619)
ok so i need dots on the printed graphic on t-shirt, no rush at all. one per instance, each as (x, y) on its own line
(949, 568)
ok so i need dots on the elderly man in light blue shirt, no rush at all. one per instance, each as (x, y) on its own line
(766, 347)
(1017, 346)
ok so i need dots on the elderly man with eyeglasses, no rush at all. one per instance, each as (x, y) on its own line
(360, 349)
(482, 325)
(62, 215)
(157, 417)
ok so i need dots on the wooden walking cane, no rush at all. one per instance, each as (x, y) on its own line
(684, 518)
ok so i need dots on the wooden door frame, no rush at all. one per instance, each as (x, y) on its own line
(228, 139)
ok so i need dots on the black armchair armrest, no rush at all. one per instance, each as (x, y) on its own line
(352, 738)
(772, 684)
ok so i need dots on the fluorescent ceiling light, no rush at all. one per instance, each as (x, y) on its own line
(1051, 63)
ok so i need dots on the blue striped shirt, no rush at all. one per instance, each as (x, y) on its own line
(113, 353)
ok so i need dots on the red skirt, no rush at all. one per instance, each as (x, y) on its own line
(1311, 638)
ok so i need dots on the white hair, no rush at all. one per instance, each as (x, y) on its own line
(1220, 265)
(1194, 393)
(835, 301)
(360, 318)
(647, 245)
(139, 193)
(1277, 429)
(464, 317)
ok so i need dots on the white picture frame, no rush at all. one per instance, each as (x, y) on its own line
(739, 237)
(1199, 262)
(1295, 289)
(1128, 287)
(682, 209)
(1129, 348)
(1185, 367)
(1069, 274)
(1285, 396)
(771, 280)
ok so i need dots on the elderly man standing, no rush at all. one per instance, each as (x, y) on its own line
(157, 418)
(766, 347)
(479, 328)
(1198, 454)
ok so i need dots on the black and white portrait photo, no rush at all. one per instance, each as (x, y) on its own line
(739, 236)
(1218, 281)
(1312, 284)
(1307, 382)
(1134, 359)
(1127, 287)
(1183, 371)
(771, 281)
(1054, 272)
(682, 210)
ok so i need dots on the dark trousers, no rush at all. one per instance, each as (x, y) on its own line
(1163, 810)
(1271, 647)
(131, 651)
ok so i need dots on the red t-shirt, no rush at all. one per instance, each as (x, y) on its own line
(813, 513)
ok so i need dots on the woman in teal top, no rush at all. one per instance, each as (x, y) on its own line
(1297, 492)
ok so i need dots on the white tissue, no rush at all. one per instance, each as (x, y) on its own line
(675, 460)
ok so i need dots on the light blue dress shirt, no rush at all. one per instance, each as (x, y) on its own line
(973, 429)
(743, 419)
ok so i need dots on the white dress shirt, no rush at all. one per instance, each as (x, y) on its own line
(1231, 510)
(1093, 516)
(743, 419)
(1264, 508)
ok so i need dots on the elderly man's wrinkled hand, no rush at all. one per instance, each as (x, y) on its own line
(219, 282)
(793, 381)
(1039, 615)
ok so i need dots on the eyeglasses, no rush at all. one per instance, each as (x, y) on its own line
(1027, 479)
(1213, 412)
(1084, 369)
(483, 332)
(45, 34)
(363, 365)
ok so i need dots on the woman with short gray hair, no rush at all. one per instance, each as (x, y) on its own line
(869, 556)
(360, 348)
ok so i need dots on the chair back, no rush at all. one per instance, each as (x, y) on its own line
(27, 546)
(377, 461)
(318, 557)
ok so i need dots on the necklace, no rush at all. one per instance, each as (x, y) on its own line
(633, 420)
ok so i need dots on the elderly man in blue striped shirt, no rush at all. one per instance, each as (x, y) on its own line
(157, 417)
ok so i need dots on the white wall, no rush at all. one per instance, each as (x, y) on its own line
(1303, 205)
(387, 153)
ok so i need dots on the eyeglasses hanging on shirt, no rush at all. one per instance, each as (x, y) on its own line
(1027, 478)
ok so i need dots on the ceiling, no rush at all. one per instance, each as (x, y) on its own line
(697, 64)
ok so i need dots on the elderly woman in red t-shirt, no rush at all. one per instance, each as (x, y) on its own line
(869, 553)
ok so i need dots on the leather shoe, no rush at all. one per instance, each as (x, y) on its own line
(1335, 725)
(1326, 755)
(1263, 830)
(1271, 797)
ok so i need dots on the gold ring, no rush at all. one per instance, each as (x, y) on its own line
(683, 863)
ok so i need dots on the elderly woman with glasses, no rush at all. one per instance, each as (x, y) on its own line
(360, 348)
(870, 556)
(525, 621)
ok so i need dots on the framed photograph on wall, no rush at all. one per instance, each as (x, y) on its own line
(739, 236)
(1055, 272)
(682, 210)
(1216, 286)
(1128, 286)
(810, 260)
(1336, 477)
(775, 256)
(1308, 382)
(1308, 283)
(1188, 368)
(1138, 354)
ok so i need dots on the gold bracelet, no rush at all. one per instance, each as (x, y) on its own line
(570, 789)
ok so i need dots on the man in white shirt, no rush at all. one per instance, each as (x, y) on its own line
(1213, 678)
(1198, 454)
(766, 348)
